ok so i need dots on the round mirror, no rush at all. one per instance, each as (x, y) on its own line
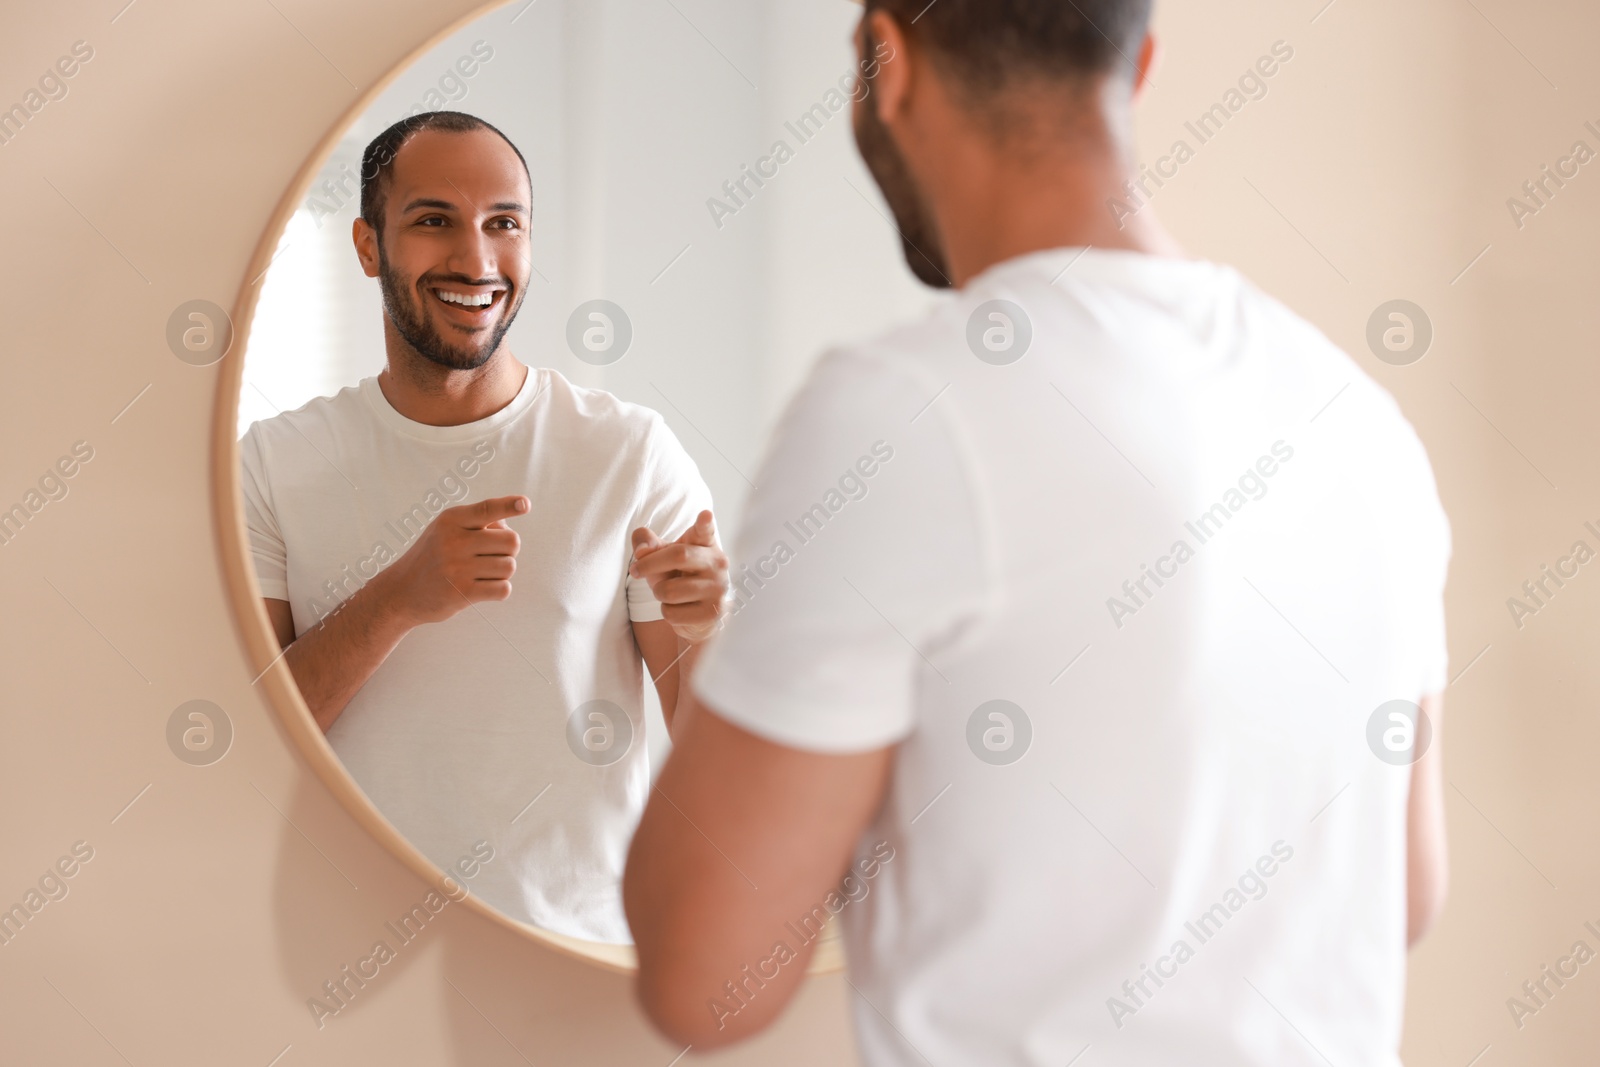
(545, 287)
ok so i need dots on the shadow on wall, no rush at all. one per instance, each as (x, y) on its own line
(505, 1000)
(349, 938)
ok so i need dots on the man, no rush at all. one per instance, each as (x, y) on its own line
(1076, 668)
(467, 711)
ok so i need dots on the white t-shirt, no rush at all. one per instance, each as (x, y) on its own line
(934, 532)
(467, 722)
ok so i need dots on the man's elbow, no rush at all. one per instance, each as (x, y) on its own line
(679, 1015)
(688, 1003)
(671, 996)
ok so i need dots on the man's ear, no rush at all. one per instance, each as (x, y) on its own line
(366, 242)
(1150, 54)
(888, 66)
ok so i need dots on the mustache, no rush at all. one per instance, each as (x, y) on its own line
(499, 280)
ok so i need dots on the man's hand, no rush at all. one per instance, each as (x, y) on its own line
(689, 577)
(466, 555)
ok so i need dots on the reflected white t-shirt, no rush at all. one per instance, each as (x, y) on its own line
(465, 725)
(1181, 756)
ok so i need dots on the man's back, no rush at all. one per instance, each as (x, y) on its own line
(1145, 558)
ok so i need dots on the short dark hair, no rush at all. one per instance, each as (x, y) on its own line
(992, 44)
(377, 162)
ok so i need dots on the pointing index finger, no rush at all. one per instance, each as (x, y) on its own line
(702, 533)
(487, 512)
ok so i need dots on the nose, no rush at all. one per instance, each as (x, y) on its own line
(473, 255)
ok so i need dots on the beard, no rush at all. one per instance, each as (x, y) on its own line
(919, 238)
(403, 303)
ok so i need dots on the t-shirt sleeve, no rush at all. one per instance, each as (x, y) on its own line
(674, 496)
(859, 563)
(267, 549)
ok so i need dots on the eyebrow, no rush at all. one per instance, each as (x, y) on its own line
(425, 202)
(445, 205)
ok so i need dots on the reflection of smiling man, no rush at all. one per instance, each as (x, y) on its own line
(455, 728)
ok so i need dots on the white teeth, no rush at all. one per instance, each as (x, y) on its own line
(466, 299)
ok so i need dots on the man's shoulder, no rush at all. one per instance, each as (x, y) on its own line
(911, 357)
(606, 437)
(598, 416)
(314, 419)
(319, 413)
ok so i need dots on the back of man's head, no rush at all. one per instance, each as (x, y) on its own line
(1019, 136)
(989, 46)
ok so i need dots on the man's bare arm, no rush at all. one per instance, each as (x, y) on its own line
(466, 555)
(740, 836)
(1427, 853)
(282, 619)
(690, 579)
(670, 660)
(335, 658)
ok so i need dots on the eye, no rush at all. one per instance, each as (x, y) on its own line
(431, 220)
(505, 222)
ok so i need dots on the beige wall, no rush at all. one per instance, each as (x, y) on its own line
(224, 896)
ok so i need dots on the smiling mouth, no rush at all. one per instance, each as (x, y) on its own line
(470, 305)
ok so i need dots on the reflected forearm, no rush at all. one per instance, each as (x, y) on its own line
(688, 654)
(334, 659)
(670, 660)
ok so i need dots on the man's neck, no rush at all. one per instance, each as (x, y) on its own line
(425, 392)
(1070, 210)
(1004, 204)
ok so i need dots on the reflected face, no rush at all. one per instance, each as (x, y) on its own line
(453, 252)
(919, 238)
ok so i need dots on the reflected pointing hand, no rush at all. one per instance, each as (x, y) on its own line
(688, 576)
(467, 555)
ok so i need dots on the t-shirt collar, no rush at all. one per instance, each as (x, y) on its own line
(1100, 264)
(532, 386)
